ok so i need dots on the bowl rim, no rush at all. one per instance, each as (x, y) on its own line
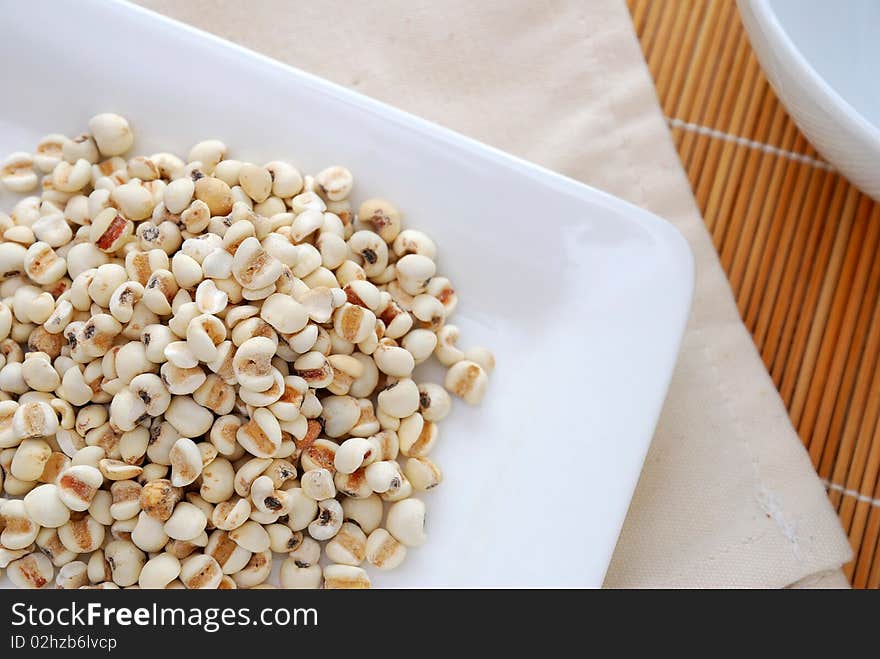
(768, 21)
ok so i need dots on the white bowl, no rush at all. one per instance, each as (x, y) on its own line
(582, 296)
(821, 58)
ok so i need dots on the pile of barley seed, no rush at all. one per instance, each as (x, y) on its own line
(208, 362)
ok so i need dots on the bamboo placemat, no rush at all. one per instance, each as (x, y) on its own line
(799, 245)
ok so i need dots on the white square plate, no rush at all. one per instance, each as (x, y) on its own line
(582, 297)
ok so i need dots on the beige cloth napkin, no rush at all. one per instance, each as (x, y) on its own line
(728, 497)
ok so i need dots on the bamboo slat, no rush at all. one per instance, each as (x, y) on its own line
(693, 104)
(800, 246)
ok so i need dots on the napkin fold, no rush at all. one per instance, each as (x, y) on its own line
(727, 497)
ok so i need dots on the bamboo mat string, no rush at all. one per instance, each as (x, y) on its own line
(800, 245)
